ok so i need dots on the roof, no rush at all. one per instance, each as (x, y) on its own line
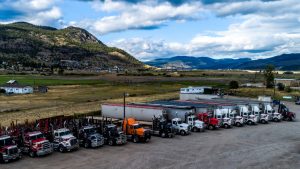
(164, 105)
(33, 133)
(4, 137)
(197, 87)
(133, 105)
(285, 79)
(62, 130)
(14, 84)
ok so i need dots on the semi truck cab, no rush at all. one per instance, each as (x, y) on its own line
(89, 137)
(35, 144)
(8, 149)
(135, 131)
(180, 127)
(64, 140)
(250, 118)
(196, 124)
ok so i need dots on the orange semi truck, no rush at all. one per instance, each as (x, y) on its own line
(135, 132)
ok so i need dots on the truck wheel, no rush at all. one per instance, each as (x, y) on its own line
(61, 149)
(110, 142)
(163, 134)
(135, 139)
(86, 145)
(182, 132)
(249, 122)
(276, 119)
(226, 126)
(263, 121)
(31, 154)
(238, 124)
(210, 127)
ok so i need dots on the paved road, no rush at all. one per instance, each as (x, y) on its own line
(274, 145)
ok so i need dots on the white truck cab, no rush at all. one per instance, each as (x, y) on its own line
(262, 117)
(273, 115)
(236, 118)
(250, 118)
(180, 127)
(64, 140)
(223, 116)
(196, 124)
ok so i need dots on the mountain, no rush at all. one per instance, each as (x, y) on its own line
(282, 62)
(197, 62)
(26, 45)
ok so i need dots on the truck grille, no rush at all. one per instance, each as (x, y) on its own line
(13, 151)
(73, 142)
(46, 145)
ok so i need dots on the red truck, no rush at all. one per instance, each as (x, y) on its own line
(34, 143)
(210, 122)
(8, 149)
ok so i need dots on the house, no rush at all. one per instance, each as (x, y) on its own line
(13, 87)
(287, 82)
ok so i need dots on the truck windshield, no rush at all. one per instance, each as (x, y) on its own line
(65, 133)
(6, 142)
(137, 126)
(90, 130)
(34, 137)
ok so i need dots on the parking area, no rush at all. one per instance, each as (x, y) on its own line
(274, 145)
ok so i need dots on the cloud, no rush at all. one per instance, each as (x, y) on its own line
(40, 12)
(142, 15)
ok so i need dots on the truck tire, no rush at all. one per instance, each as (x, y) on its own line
(249, 122)
(147, 140)
(276, 119)
(263, 121)
(182, 132)
(110, 142)
(226, 126)
(31, 154)
(135, 139)
(163, 135)
(238, 124)
(210, 127)
(61, 149)
(86, 145)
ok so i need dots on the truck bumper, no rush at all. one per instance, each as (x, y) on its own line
(44, 152)
(73, 147)
(120, 141)
(10, 157)
(97, 144)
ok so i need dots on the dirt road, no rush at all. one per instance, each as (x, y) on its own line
(274, 145)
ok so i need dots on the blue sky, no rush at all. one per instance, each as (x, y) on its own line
(150, 29)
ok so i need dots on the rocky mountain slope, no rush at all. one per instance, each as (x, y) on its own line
(32, 46)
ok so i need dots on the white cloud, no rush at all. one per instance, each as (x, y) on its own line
(144, 15)
(40, 12)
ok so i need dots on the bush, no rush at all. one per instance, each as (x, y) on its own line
(233, 84)
(2, 91)
(288, 89)
(280, 86)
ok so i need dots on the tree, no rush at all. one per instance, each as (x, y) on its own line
(233, 84)
(280, 86)
(269, 76)
(288, 89)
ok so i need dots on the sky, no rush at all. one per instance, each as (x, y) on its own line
(150, 29)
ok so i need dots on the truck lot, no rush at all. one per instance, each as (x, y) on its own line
(274, 145)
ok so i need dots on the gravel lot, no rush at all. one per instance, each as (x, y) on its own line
(274, 145)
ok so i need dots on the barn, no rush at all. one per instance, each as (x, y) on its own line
(13, 87)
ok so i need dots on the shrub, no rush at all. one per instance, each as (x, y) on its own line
(288, 89)
(233, 84)
(280, 86)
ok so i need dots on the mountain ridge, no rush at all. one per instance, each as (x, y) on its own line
(35, 46)
(281, 62)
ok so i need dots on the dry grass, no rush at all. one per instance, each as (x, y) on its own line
(70, 109)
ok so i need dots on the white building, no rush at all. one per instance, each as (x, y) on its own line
(194, 90)
(13, 87)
